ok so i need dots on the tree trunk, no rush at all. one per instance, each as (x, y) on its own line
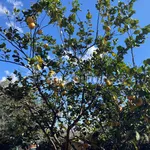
(67, 140)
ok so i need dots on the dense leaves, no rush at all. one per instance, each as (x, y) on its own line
(73, 97)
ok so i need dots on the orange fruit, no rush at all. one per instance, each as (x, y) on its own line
(64, 93)
(39, 32)
(131, 98)
(107, 82)
(31, 25)
(30, 20)
(85, 145)
(76, 79)
(139, 102)
(45, 46)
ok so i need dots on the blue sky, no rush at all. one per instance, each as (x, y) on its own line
(142, 13)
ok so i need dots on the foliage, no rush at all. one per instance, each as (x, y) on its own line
(100, 100)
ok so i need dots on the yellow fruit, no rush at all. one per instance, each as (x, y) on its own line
(39, 32)
(51, 73)
(69, 86)
(39, 49)
(85, 145)
(38, 67)
(107, 82)
(48, 81)
(70, 107)
(62, 85)
(114, 97)
(45, 46)
(131, 98)
(104, 41)
(114, 55)
(76, 79)
(39, 59)
(31, 25)
(55, 80)
(120, 108)
(64, 93)
(107, 28)
(132, 107)
(30, 20)
(139, 102)
(87, 122)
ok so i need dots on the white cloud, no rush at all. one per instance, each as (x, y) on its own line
(3, 79)
(89, 53)
(12, 24)
(48, 57)
(3, 10)
(12, 75)
(14, 78)
(15, 3)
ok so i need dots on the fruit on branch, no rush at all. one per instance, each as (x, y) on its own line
(45, 46)
(64, 93)
(31, 25)
(51, 73)
(30, 20)
(55, 80)
(114, 98)
(139, 102)
(76, 79)
(39, 32)
(85, 145)
(62, 85)
(120, 108)
(107, 28)
(131, 98)
(108, 83)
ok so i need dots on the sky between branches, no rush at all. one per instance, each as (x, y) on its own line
(142, 8)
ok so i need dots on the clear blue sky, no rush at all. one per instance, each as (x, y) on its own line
(142, 8)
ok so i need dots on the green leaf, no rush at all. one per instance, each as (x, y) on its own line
(146, 137)
(2, 45)
(147, 61)
(137, 136)
(137, 32)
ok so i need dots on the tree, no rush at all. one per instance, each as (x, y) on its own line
(100, 100)
(16, 125)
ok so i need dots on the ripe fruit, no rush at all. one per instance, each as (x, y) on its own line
(46, 46)
(107, 82)
(38, 67)
(39, 59)
(39, 49)
(85, 145)
(107, 28)
(55, 80)
(30, 20)
(64, 93)
(39, 32)
(131, 98)
(31, 25)
(139, 102)
(120, 108)
(132, 107)
(76, 79)
(51, 73)
(69, 86)
(61, 85)
(69, 107)
(114, 98)
(87, 122)
(48, 81)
